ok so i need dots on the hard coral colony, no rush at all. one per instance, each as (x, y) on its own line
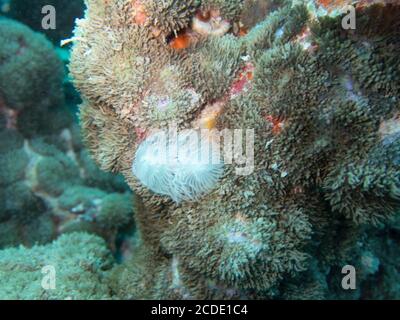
(320, 99)
(48, 184)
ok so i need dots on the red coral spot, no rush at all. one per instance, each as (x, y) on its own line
(141, 134)
(242, 83)
(277, 124)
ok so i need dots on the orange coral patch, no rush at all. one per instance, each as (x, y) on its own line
(335, 4)
(182, 41)
(139, 15)
(277, 124)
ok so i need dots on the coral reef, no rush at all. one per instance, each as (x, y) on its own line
(323, 103)
(77, 261)
(22, 50)
(48, 183)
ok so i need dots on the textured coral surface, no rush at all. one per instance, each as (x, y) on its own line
(48, 183)
(322, 101)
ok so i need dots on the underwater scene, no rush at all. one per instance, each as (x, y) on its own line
(199, 149)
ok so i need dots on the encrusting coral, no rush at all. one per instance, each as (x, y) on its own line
(323, 103)
(44, 168)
